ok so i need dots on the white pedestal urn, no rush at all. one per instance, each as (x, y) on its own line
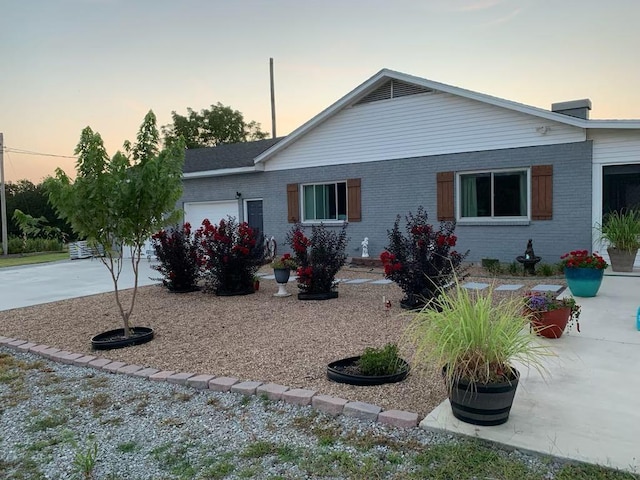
(282, 278)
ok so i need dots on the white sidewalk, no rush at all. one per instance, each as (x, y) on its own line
(50, 282)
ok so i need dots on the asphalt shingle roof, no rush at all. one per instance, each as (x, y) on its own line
(233, 155)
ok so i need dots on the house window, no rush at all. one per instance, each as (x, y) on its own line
(494, 194)
(324, 202)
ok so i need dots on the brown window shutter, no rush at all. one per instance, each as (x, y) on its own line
(354, 213)
(293, 203)
(445, 196)
(542, 192)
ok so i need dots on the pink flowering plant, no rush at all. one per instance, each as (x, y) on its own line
(583, 259)
(421, 260)
(177, 253)
(319, 257)
(536, 303)
(230, 255)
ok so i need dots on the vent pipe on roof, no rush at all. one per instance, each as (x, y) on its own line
(273, 100)
(573, 108)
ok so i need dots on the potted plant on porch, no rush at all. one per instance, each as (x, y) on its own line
(475, 338)
(583, 271)
(549, 314)
(621, 230)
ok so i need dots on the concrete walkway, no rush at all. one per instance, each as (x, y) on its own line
(587, 407)
(50, 282)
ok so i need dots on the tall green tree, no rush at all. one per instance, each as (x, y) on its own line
(121, 201)
(211, 126)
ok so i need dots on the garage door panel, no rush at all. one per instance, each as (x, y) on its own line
(196, 212)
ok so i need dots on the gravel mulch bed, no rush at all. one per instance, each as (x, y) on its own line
(254, 337)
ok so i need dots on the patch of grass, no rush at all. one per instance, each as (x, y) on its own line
(128, 447)
(48, 379)
(84, 461)
(214, 402)
(182, 397)
(97, 382)
(174, 460)
(112, 421)
(259, 449)
(217, 470)
(514, 269)
(471, 459)
(172, 422)
(592, 472)
(54, 419)
(33, 258)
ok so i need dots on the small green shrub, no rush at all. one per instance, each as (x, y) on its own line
(547, 270)
(494, 268)
(380, 361)
(514, 268)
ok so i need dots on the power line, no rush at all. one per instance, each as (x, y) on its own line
(30, 152)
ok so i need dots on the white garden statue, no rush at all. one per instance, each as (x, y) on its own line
(365, 247)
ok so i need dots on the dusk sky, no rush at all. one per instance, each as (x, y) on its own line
(66, 64)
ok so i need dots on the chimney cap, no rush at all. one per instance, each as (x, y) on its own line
(571, 104)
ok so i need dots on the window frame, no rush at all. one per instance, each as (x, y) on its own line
(492, 218)
(336, 221)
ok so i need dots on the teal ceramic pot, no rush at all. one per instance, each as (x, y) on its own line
(584, 282)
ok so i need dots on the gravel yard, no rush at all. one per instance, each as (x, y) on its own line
(254, 337)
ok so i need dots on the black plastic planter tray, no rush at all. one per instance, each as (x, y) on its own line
(335, 372)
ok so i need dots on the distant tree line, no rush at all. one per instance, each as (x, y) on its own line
(33, 200)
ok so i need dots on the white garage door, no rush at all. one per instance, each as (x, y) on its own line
(195, 212)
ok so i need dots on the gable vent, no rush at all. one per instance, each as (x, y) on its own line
(393, 89)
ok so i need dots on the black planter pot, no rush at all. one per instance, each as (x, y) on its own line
(317, 296)
(282, 274)
(115, 338)
(483, 404)
(336, 372)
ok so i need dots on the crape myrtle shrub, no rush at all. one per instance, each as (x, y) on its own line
(421, 259)
(319, 257)
(177, 253)
(229, 255)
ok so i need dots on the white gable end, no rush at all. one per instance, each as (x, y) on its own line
(415, 126)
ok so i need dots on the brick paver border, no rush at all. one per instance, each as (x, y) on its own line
(203, 381)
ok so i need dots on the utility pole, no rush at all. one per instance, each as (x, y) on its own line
(3, 200)
(273, 100)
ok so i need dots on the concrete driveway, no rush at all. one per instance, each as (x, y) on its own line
(587, 407)
(49, 282)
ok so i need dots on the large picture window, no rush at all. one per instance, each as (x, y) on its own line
(324, 202)
(494, 194)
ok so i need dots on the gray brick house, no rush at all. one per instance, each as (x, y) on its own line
(506, 172)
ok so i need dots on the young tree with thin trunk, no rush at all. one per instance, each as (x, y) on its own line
(120, 202)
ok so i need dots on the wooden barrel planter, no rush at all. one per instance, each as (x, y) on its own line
(483, 404)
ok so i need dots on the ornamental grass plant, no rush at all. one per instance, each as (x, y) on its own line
(474, 338)
(621, 230)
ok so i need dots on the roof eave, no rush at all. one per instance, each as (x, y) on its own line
(221, 172)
